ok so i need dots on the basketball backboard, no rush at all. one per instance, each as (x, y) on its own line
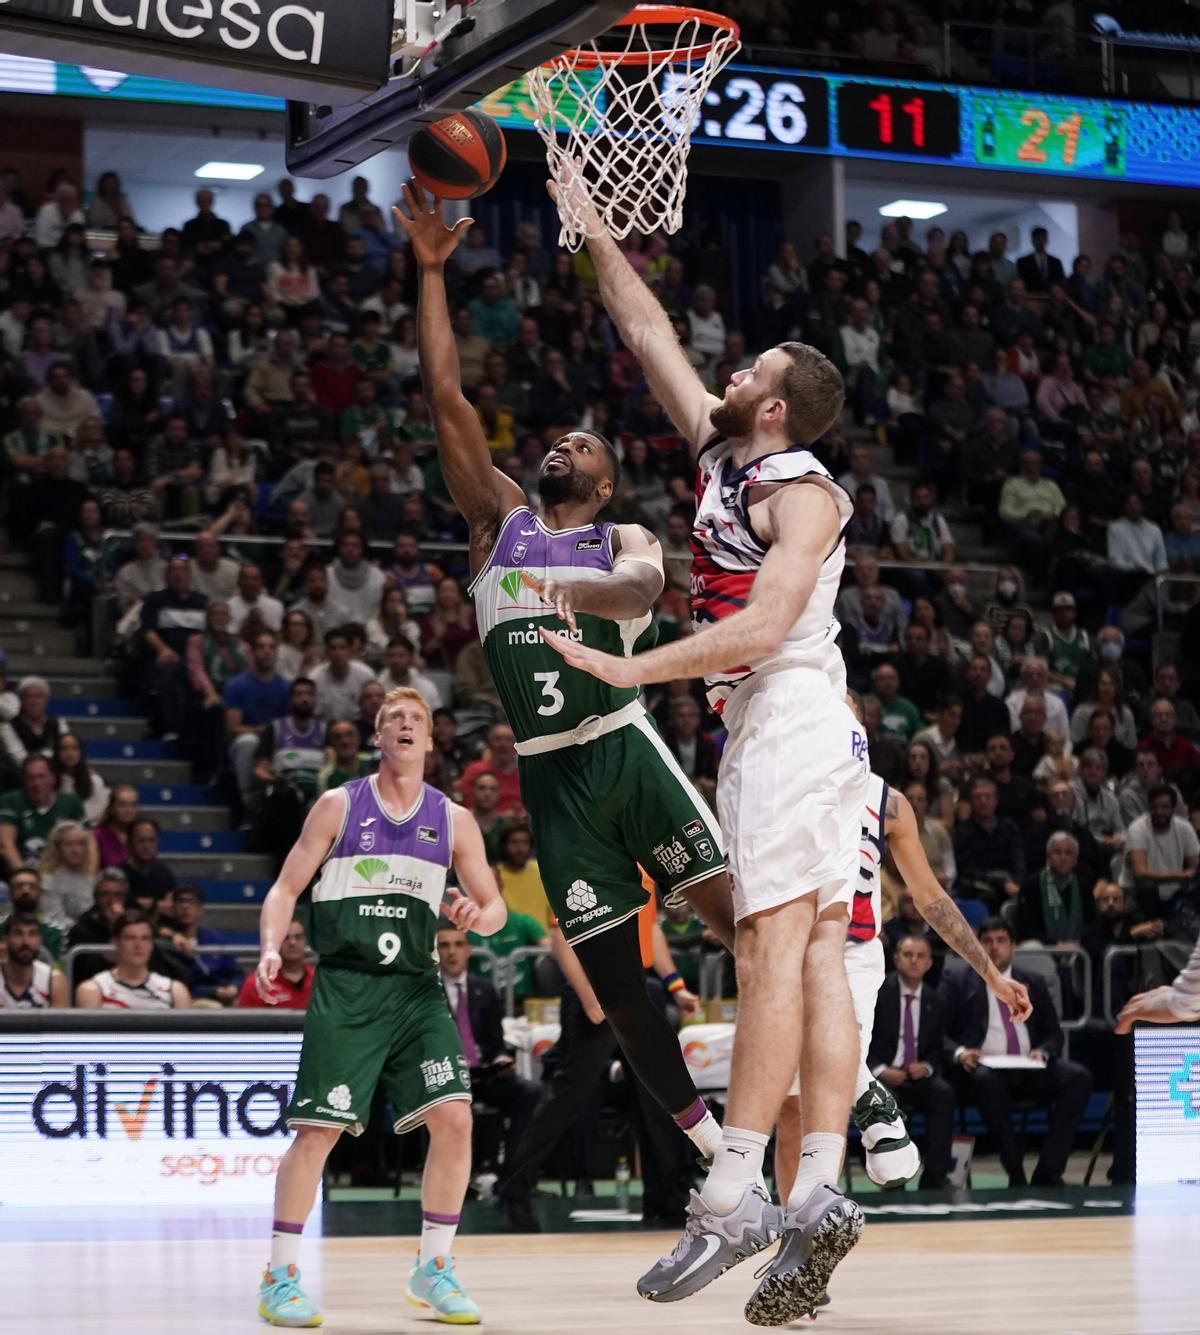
(360, 75)
(444, 58)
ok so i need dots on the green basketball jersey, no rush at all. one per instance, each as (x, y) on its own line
(540, 693)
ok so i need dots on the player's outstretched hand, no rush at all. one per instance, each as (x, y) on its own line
(1148, 1008)
(556, 593)
(608, 667)
(574, 203)
(462, 911)
(1016, 996)
(432, 241)
(269, 965)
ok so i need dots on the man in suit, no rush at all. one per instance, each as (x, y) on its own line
(906, 1053)
(978, 1029)
(1039, 269)
(475, 1005)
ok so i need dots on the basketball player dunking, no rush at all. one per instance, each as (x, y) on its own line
(768, 558)
(888, 826)
(383, 846)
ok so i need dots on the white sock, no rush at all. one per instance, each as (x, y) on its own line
(862, 1081)
(437, 1234)
(285, 1247)
(705, 1135)
(737, 1164)
(820, 1161)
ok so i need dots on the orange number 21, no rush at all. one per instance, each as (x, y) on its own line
(1031, 150)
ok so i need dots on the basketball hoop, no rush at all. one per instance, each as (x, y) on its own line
(618, 113)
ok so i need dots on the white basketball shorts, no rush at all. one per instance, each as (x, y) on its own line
(791, 791)
(865, 973)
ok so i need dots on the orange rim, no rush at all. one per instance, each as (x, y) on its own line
(650, 16)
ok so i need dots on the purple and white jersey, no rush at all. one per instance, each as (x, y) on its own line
(539, 692)
(376, 904)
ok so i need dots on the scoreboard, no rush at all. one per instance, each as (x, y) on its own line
(958, 126)
(794, 111)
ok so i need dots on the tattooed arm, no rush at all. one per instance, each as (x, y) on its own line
(938, 909)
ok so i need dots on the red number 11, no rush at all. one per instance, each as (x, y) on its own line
(914, 110)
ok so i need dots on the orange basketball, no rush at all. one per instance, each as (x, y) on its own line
(459, 157)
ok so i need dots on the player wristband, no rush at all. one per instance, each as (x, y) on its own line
(673, 983)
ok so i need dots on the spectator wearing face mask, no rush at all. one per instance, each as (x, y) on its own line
(1109, 655)
(1007, 600)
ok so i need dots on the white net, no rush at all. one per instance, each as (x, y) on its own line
(619, 113)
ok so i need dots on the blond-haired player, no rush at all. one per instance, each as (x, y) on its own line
(378, 1013)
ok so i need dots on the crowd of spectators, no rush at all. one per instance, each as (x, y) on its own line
(246, 406)
(1042, 44)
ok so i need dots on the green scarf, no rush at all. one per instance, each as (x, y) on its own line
(1064, 921)
(221, 660)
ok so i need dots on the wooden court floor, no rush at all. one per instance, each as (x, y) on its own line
(1070, 1276)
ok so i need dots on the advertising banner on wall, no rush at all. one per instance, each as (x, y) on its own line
(1168, 1103)
(171, 1117)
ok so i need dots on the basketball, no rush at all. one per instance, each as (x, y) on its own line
(459, 157)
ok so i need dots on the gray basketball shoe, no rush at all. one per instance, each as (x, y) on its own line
(816, 1236)
(711, 1244)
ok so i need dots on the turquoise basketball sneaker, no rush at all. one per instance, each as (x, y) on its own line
(435, 1287)
(282, 1302)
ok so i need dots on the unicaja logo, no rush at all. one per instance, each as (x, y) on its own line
(292, 32)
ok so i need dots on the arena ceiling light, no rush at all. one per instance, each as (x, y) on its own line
(912, 208)
(230, 171)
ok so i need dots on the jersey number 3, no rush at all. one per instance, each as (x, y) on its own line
(554, 698)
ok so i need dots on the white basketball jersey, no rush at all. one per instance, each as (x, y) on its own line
(727, 554)
(152, 995)
(866, 914)
(36, 998)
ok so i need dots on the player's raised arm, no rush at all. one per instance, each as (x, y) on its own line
(803, 529)
(317, 837)
(481, 909)
(939, 910)
(481, 492)
(626, 593)
(646, 331)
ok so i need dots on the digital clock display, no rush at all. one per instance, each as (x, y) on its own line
(1033, 132)
(893, 118)
(763, 109)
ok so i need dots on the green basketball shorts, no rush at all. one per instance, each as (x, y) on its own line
(601, 809)
(361, 1028)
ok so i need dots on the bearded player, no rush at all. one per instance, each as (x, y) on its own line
(378, 1013)
(602, 791)
(768, 559)
(888, 826)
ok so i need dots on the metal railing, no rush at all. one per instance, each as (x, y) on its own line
(247, 951)
(511, 960)
(1076, 958)
(115, 540)
(1171, 949)
(710, 962)
(1161, 597)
